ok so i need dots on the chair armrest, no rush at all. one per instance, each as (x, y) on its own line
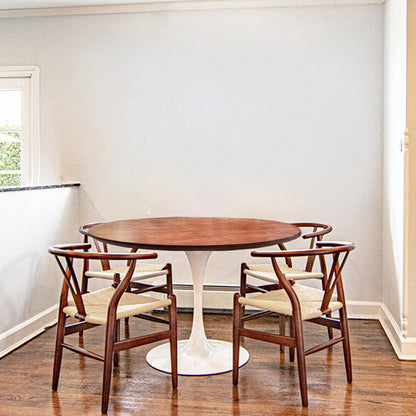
(326, 228)
(67, 250)
(326, 247)
(77, 246)
(333, 243)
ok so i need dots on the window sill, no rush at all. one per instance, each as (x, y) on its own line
(36, 187)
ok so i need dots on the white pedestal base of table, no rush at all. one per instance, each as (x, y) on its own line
(198, 355)
(216, 359)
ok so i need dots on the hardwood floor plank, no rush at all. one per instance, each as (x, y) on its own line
(268, 383)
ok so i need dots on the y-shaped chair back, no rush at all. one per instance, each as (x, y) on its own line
(313, 232)
(143, 275)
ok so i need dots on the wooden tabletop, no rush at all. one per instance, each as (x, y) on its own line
(194, 233)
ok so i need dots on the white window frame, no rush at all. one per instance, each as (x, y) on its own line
(30, 156)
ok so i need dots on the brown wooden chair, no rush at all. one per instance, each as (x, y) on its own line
(106, 307)
(311, 231)
(262, 278)
(301, 303)
(142, 272)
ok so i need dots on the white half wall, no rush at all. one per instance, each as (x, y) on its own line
(30, 282)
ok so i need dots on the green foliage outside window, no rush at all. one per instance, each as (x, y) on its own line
(9, 157)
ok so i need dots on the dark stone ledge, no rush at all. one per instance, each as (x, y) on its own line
(36, 187)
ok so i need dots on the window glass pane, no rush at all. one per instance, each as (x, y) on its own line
(10, 134)
(10, 155)
(9, 180)
(10, 108)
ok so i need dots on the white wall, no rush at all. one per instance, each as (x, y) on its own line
(269, 113)
(399, 191)
(410, 177)
(394, 128)
(30, 280)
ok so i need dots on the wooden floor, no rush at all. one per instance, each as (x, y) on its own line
(268, 383)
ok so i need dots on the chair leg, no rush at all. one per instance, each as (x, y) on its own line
(169, 280)
(60, 331)
(243, 283)
(292, 334)
(84, 289)
(346, 343)
(300, 352)
(126, 320)
(108, 363)
(173, 327)
(237, 310)
(282, 329)
(116, 355)
(330, 330)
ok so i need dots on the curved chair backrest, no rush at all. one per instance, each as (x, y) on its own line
(65, 255)
(100, 247)
(314, 232)
(332, 256)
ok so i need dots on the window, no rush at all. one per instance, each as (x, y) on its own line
(19, 115)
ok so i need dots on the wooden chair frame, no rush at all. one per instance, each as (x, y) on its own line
(65, 255)
(338, 253)
(319, 230)
(138, 286)
(318, 233)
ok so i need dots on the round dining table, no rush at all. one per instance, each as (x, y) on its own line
(198, 237)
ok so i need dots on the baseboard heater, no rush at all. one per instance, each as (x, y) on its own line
(216, 298)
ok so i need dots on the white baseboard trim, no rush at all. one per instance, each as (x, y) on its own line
(405, 348)
(363, 310)
(218, 298)
(24, 332)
